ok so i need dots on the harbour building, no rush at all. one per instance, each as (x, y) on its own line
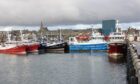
(108, 26)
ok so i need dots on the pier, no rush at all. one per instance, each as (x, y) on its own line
(133, 62)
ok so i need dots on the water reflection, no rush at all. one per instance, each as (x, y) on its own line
(72, 68)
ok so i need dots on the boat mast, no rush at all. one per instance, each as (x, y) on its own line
(117, 28)
(21, 35)
(60, 35)
(92, 30)
(9, 36)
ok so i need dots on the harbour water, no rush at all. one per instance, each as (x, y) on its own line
(71, 68)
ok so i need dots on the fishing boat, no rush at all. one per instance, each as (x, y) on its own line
(12, 47)
(117, 45)
(57, 47)
(31, 45)
(95, 41)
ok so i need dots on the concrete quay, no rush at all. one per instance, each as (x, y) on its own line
(133, 62)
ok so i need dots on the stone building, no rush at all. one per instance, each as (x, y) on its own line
(132, 34)
(43, 29)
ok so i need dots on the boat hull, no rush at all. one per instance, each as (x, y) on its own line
(32, 48)
(18, 50)
(117, 51)
(102, 46)
(61, 47)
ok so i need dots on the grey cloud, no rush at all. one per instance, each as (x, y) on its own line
(57, 12)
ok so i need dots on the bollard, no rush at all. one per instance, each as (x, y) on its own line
(138, 56)
(134, 57)
(135, 50)
(132, 71)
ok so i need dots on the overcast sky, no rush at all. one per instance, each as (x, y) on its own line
(67, 12)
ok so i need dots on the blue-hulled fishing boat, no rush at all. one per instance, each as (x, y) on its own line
(95, 41)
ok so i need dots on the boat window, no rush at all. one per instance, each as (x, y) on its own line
(71, 39)
(122, 38)
(117, 33)
(117, 38)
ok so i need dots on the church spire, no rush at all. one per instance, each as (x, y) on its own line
(41, 25)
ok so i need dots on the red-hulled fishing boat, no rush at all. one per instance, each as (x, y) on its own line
(32, 47)
(117, 45)
(116, 50)
(10, 48)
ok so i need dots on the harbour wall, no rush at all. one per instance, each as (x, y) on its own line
(132, 64)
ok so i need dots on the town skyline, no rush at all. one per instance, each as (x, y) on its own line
(124, 26)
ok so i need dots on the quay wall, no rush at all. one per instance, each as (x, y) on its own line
(132, 64)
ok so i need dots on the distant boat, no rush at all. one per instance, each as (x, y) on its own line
(85, 42)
